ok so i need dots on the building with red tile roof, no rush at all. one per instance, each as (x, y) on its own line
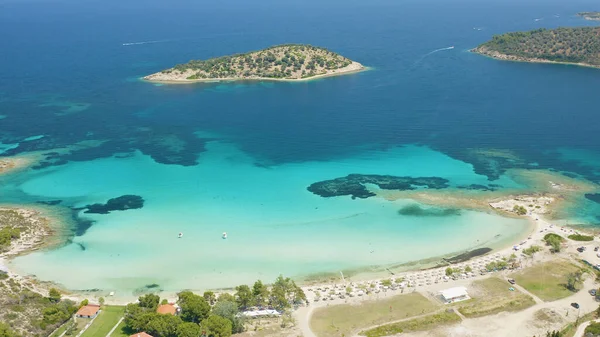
(88, 311)
(167, 309)
(140, 334)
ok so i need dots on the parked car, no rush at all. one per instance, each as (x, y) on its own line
(593, 292)
(512, 281)
(580, 249)
(575, 305)
(596, 248)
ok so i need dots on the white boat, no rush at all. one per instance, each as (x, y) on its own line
(224, 235)
(180, 235)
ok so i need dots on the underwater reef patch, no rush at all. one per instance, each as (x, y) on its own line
(354, 185)
(478, 187)
(595, 197)
(468, 255)
(416, 210)
(121, 203)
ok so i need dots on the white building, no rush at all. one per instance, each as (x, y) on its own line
(456, 294)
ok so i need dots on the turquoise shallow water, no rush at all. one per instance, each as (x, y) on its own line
(274, 224)
(238, 157)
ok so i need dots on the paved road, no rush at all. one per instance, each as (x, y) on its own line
(581, 329)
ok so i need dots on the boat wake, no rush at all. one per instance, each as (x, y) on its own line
(430, 53)
(144, 42)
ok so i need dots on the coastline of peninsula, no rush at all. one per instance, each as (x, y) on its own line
(290, 63)
(570, 46)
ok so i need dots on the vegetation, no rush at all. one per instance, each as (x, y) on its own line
(7, 234)
(106, 320)
(197, 315)
(532, 250)
(520, 210)
(418, 324)
(24, 312)
(590, 15)
(340, 320)
(554, 241)
(549, 280)
(581, 237)
(574, 280)
(571, 45)
(291, 61)
(496, 265)
(593, 328)
(492, 296)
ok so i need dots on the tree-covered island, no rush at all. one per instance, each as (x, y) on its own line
(284, 62)
(593, 16)
(579, 46)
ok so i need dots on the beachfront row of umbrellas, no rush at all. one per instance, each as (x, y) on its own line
(462, 270)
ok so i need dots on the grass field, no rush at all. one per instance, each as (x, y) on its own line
(339, 320)
(491, 296)
(108, 317)
(121, 331)
(547, 280)
(417, 324)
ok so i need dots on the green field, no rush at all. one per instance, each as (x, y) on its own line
(338, 320)
(121, 331)
(491, 296)
(417, 324)
(547, 280)
(108, 317)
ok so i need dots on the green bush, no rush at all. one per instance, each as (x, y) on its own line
(581, 237)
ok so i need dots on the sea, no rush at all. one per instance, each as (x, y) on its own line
(238, 158)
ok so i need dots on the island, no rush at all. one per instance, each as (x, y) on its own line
(290, 62)
(593, 16)
(579, 46)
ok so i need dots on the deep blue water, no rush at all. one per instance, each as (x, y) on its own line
(67, 51)
(66, 75)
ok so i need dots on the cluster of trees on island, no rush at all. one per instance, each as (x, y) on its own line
(209, 315)
(283, 61)
(572, 45)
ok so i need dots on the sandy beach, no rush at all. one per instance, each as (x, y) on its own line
(432, 281)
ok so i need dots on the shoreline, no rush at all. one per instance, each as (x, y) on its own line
(550, 186)
(512, 58)
(353, 68)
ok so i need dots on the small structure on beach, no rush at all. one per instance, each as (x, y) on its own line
(260, 313)
(167, 309)
(455, 294)
(88, 311)
(141, 334)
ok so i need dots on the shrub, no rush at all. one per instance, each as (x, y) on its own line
(581, 237)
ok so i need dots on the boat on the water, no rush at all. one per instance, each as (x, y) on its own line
(180, 235)
(224, 235)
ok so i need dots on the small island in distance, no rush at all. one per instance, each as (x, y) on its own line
(290, 62)
(579, 46)
(593, 16)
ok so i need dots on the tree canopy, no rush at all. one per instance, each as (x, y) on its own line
(282, 61)
(194, 308)
(571, 45)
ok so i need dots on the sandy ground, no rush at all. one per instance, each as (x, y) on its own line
(12, 164)
(182, 77)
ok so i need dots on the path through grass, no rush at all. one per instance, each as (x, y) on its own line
(547, 280)
(338, 320)
(108, 317)
(491, 296)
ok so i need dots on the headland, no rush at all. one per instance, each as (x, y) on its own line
(290, 62)
(576, 46)
(592, 16)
